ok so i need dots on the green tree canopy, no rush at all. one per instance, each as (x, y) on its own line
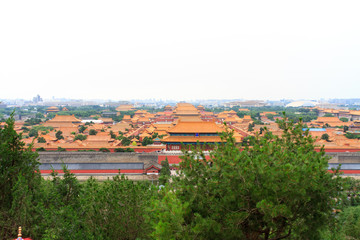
(250, 127)
(146, 141)
(277, 188)
(33, 133)
(165, 172)
(19, 179)
(344, 119)
(125, 141)
(112, 134)
(41, 140)
(80, 137)
(59, 135)
(82, 128)
(104, 150)
(325, 136)
(92, 132)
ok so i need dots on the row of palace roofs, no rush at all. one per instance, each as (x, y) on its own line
(181, 126)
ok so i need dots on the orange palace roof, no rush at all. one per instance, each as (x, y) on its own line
(195, 127)
(65, 118)
(203, 139)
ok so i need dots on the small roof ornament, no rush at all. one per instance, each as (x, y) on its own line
(19, 234)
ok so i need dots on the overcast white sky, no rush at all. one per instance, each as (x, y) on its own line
(180, 49)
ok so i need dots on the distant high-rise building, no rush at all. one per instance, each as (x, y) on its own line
(2, 105)
(37, 99)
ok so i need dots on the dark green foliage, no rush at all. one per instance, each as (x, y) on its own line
(255, 115)
(353, 192)
(146, 141)
(349, 220)
(270, 117)
(155, 135)
(50, 115)
(41, 140)
(261, 130)
(33, 133)
(42, 128)
(59, 135)
(60, 149)
(112, 134)
(124, 150)
(39, 115)
(92, 132)
(125, 141)
(41, 149)
(248, 141)
(164, 172)
(352, 135)
(32, 121)
(82, 111)
(19, 179)
(104, 150)
(116, 209)
(61, 207)
(242, 114)
(279, 187)
(325, 137)
(82, 128)
(122, 114)
(257, 122)
(25, 129)
(80, 137)
(250, 127)
(346, 128)
(344, 119)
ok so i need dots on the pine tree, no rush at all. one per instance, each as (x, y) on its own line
(277, 188)
(165, 172)
(19, 181)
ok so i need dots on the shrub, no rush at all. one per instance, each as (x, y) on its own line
(104, 150)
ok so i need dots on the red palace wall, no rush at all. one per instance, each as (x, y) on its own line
(136, 149)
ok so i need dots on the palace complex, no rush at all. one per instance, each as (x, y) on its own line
(177, 128)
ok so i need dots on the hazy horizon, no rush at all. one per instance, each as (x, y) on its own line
(55, 99)
(188, 50)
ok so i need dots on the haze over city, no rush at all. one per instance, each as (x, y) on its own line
(171, 50)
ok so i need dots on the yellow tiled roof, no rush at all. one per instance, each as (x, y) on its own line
(195, 127)
(208, 139)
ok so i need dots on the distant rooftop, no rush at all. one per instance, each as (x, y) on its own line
(315, 129)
